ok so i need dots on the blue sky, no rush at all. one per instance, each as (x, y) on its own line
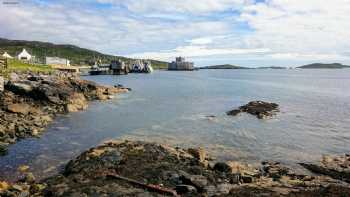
(242, 32)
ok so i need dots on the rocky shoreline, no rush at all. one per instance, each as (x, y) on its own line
(125, 168)
(29, 102)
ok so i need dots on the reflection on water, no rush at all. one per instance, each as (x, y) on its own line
(188, 109)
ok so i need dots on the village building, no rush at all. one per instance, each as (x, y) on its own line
(56, 61)
(181, 64)
(6, 55)
(24, 55)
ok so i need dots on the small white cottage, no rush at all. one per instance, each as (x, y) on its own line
(24, 55)
(6, 55)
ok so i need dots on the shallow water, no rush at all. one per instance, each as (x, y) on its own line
(173, 107)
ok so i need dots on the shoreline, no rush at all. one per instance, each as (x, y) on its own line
(30, 102)
(114, 168)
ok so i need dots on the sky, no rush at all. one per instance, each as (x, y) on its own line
(240, 32)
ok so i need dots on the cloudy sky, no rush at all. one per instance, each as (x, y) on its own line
(241, 32)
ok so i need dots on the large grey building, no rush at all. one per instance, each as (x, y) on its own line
(181, 64)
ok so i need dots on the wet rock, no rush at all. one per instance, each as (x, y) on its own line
(247, 179)
(3, 148)
(274, 169)
(222, 167)
(260, 109)
(337, 167)
(185, 189)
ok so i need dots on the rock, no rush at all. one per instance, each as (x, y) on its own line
(17, 187)
(198, 181)
(222, 167)
(274, 169)
(337, 167)
(20, 88)
(29, 178)
(260, 109)
(247, 179)
(14, 77)
(198, 153)
(185, 189)
(23, 168)
(3, 148)
(2, 83)
(19, 108)
(4, 186)
(76, 102)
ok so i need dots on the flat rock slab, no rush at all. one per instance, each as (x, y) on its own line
(337, 167)
(260, 109)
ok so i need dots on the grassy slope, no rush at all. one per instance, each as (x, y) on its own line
(77, 55)
(18, 66)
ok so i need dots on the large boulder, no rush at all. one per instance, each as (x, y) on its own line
(20, 88)
(260, 109)
(76, 102)
(20, 108)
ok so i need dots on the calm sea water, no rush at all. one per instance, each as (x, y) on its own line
(173, 107)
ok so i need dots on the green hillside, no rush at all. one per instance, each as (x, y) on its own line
(77, 55)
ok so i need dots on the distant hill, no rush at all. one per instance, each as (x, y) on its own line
(224, 66)
(77, 55)
(320, 65)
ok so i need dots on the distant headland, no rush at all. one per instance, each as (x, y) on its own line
(324, 66)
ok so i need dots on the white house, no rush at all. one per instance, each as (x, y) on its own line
(6, 55)
(24, 55)
(56, 61)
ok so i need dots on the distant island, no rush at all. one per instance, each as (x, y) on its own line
(223, 66)
(326, 66)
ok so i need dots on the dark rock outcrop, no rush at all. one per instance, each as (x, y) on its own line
(260, 109)
(337, 167)
(148, 169)
(30, 102)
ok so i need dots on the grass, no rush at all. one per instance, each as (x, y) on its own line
(20, 67)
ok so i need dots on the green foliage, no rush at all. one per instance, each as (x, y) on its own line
(77, 56)
(19, 66)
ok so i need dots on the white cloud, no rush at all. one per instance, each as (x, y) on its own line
(272, 31)
(311, 26)
(197, 51)
(183, 6)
